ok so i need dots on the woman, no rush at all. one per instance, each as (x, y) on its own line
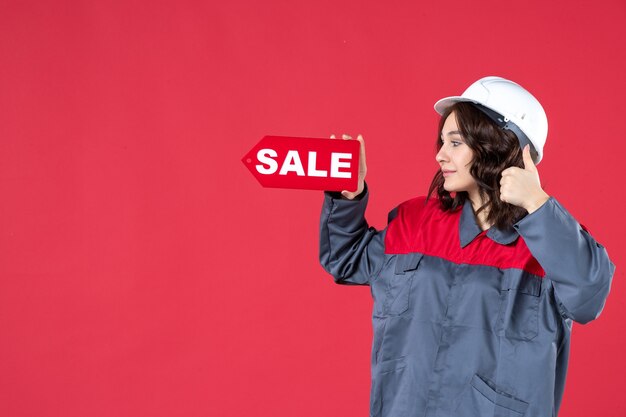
(476, 285)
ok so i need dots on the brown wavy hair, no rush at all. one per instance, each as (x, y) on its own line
(495, 149)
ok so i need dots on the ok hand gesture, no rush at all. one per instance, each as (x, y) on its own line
(521, 186)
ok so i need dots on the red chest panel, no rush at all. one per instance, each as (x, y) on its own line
(423, 227)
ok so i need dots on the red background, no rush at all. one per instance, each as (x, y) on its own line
(143, 270)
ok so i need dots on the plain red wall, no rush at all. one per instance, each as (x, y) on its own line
(144, 272)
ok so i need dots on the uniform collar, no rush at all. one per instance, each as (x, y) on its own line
(469, 229)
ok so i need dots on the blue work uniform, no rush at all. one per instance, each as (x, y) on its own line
(467, 322)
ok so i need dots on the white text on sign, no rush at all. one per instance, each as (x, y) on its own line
(293, 163)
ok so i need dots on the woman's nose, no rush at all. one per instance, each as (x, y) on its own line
(441, 155)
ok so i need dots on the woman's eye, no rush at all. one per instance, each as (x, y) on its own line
(454, 143)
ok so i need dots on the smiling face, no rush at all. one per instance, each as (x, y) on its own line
(456, 156)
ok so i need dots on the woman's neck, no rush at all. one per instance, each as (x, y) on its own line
(481, 217)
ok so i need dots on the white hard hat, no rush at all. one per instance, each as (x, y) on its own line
(515, 109)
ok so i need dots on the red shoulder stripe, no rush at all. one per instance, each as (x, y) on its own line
(423, 227)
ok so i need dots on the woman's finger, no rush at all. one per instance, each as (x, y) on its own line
(362, 148)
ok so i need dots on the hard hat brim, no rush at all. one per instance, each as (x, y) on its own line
(444, 103)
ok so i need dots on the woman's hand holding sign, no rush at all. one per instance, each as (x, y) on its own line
(362, 168)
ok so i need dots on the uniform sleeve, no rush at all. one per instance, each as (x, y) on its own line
(578, 266)
(350, 250)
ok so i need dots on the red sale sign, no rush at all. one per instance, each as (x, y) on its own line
(305, 163)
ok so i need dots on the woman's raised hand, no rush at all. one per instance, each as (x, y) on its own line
(362, 168)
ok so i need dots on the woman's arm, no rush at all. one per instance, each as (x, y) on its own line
(578, 266)
(350, 250)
